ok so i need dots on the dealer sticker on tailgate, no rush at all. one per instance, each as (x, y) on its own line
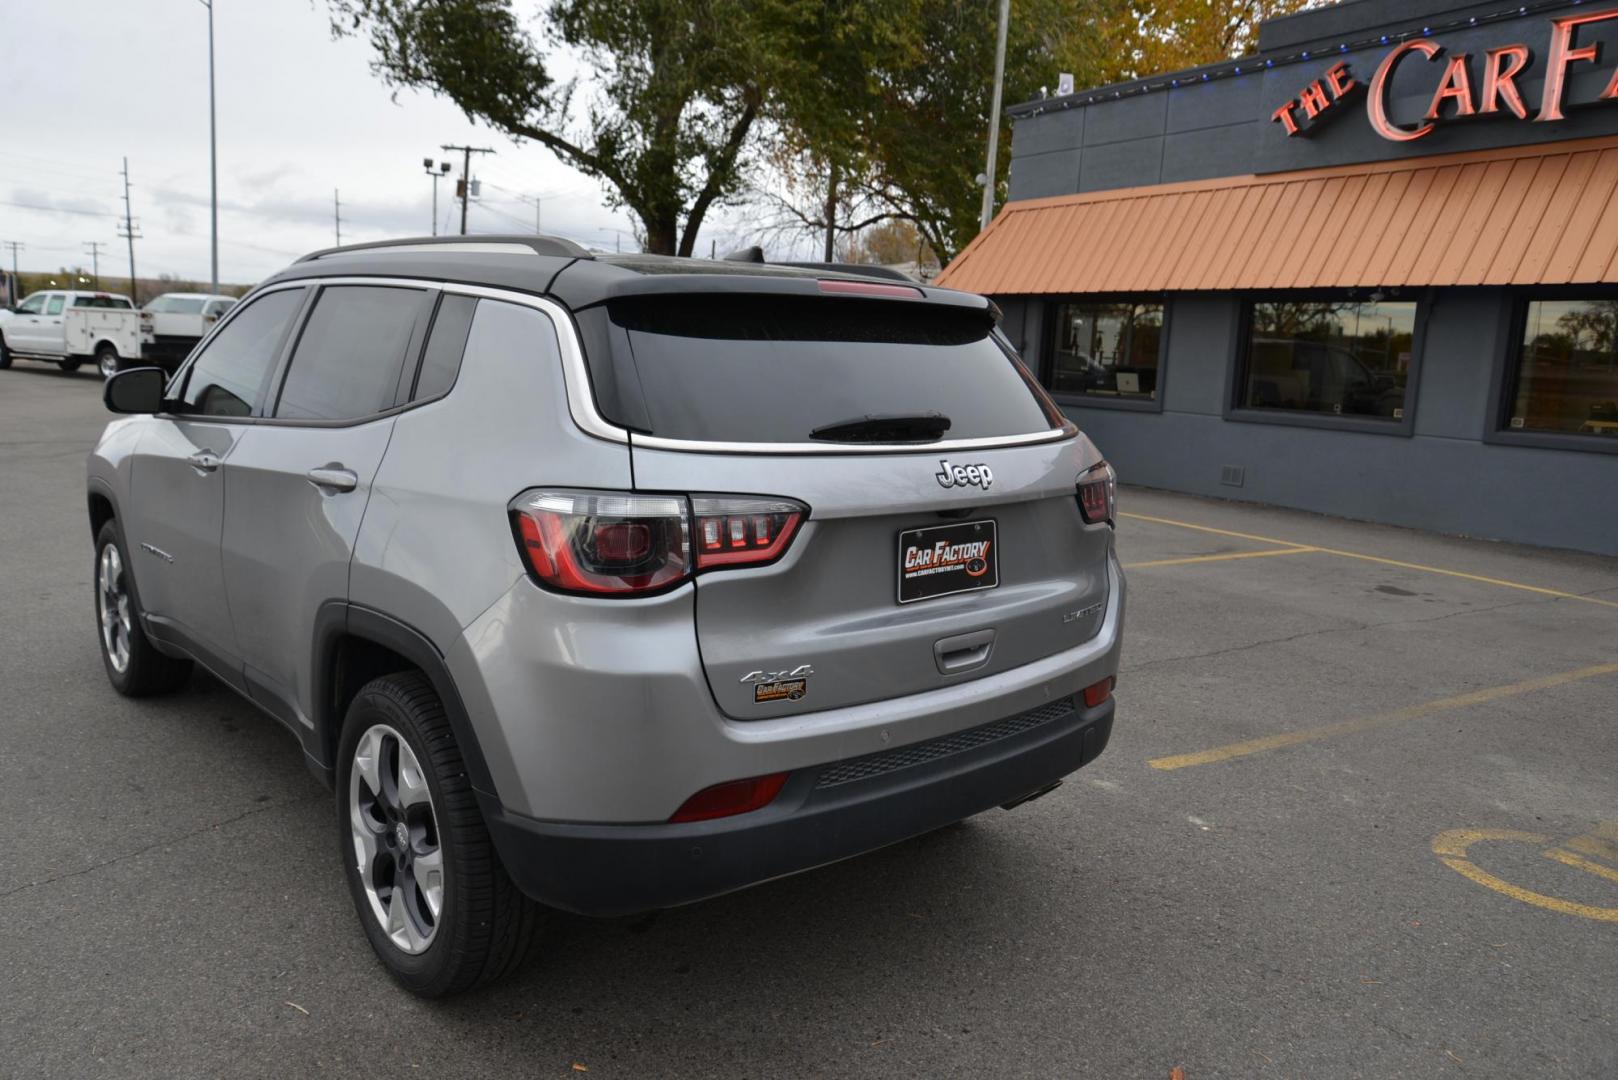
(946, 559)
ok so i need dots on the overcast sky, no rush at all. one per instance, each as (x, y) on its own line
(87, 82)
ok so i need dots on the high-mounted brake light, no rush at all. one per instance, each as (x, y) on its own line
(870, 288)
(1098, 494)
(601, 543)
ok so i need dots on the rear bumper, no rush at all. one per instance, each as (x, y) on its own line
(825, 813)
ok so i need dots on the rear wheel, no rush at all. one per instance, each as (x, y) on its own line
(5, 354)
(69, 365)
(437, 906)
(134, 667)
(106, 360)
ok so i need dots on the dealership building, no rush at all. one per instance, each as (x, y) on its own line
(1371, 270)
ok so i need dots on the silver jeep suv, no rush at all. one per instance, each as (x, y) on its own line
(611, 583)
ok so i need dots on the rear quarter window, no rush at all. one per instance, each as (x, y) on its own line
(753, 368)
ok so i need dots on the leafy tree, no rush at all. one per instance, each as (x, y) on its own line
(677, 88)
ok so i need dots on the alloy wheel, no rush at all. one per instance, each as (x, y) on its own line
(112, 604)
(396, 843)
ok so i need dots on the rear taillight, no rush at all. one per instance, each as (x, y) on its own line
(731, 798)
(603, 543)
(1098, 494)
(618, 544)
(742, 532)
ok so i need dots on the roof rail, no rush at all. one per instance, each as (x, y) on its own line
(465, 245)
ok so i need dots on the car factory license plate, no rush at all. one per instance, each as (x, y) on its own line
(946, 559)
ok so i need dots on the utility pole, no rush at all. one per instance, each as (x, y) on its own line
(539, 229)
(464, 187)
(994, 114)
(128, 232)
(94, 251)
(14, 293)
(435, 171)
(337, 216)
(213, 152)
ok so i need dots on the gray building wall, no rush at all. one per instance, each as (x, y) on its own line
(1093, 141)
(1443, 477)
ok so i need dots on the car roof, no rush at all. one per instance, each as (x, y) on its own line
(575, 275)
(193, 296)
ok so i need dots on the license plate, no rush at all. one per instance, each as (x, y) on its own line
(942, 560)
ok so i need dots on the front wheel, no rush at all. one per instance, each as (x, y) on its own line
(106, 361)
(438, 908)
(134, 667)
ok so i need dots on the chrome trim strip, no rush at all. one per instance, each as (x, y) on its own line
(581, 402)
(464, 248)
(653, 442)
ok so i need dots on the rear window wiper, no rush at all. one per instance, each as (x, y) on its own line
(902, 427)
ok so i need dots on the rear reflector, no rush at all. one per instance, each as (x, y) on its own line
(731, 798)
(870, 288)
(1096, 693)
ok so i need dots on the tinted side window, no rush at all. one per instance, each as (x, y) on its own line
(33, 305)
(228, 378)
(349, 356)
(54, 305)
(442, 361)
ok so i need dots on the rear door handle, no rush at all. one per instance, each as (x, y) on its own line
(204, 461)
(333, 478)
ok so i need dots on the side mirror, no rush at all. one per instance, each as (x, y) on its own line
(138, 390)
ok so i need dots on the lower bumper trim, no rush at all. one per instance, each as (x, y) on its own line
(625, 869)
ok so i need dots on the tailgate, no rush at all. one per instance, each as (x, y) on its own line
(825, 626)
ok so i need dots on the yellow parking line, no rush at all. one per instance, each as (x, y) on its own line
(1365, 723)
(1579, 862)
(1557, 593)
(1220, 558)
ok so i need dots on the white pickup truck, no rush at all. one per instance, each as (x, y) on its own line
(173, 323)
(68, 328)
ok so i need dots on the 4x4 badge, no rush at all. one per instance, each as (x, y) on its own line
(963, 475)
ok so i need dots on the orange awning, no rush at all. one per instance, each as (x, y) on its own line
(1539, 215)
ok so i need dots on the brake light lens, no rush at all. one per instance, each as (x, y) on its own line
(602, 543)
(591, 543)
(731, 798)
(743, 532)
(1098, 494)
(836, 287)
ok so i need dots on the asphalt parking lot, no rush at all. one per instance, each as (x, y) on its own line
(1359, 817)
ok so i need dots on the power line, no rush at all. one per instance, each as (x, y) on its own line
(54, 209)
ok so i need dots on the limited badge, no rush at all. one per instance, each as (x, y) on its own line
(786, 690)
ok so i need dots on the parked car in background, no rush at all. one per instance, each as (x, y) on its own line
(172, 324)
(446, 510)
(68, 328)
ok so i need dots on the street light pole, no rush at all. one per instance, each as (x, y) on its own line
(435, 171)
(994, 114)
(213, 153)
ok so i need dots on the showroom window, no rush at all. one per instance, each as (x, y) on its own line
(1107, 350)
(1329, 358)
(1566, 377)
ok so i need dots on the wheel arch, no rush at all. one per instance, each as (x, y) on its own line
(355, 644)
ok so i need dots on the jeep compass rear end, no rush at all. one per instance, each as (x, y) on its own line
(663, 577)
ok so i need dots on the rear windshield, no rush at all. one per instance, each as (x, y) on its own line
(177, 305)
(731, 368)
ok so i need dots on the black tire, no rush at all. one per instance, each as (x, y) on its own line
(107, 361)
(5, 354)
(69, 366)
(146, 671)
(485, 927)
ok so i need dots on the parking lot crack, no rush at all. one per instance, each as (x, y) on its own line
(165, 842)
